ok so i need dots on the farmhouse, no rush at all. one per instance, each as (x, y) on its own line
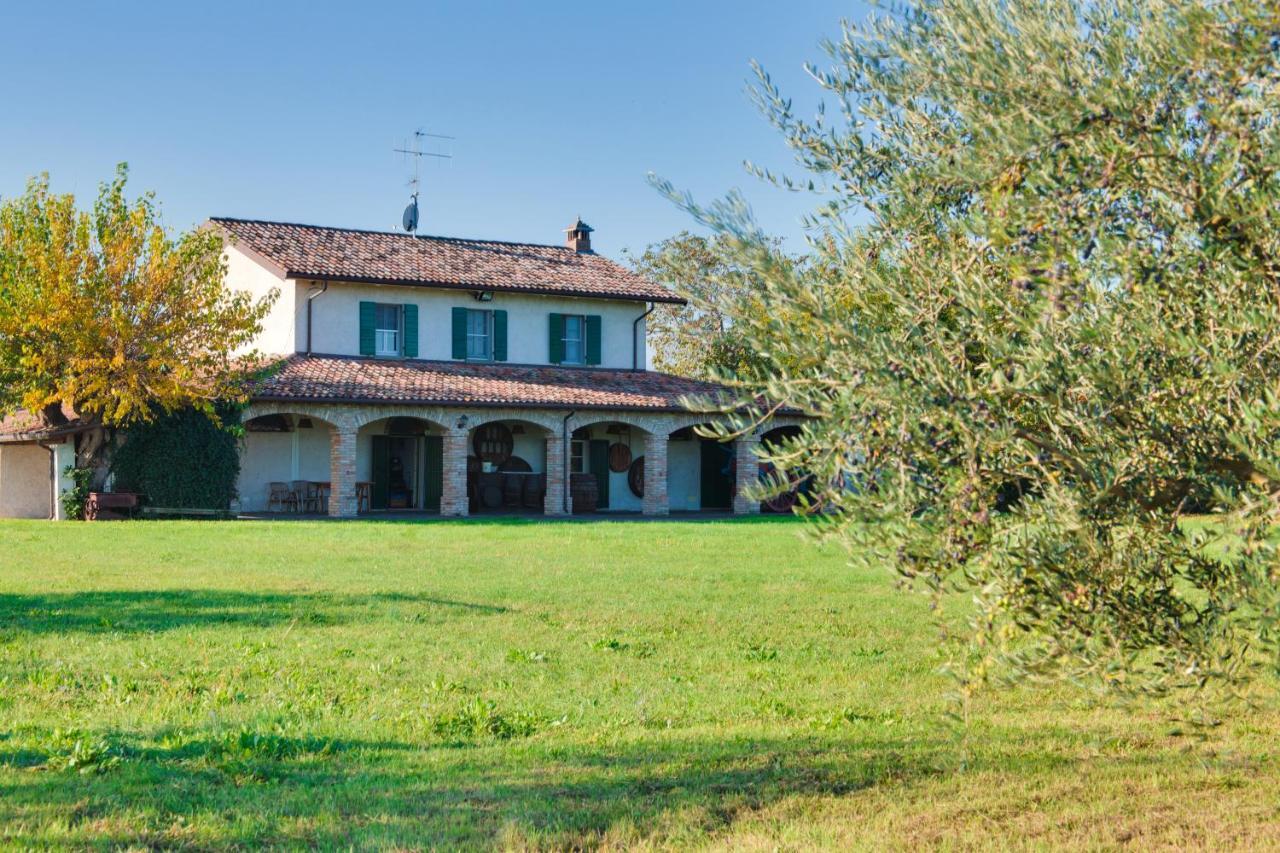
(460, 376)
(450, 376)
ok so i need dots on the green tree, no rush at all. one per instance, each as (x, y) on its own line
(699, 339)
(103, 312)
(1044, 325)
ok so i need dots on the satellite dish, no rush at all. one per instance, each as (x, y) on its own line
(411, 216)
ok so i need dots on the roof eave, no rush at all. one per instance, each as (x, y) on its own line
(476, 288)
(487, 404)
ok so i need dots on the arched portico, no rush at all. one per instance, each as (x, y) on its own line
(605, 463)
(507, 464)
(555, 443)
(285, 460)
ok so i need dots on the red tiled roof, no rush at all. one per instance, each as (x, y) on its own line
(342, 379)
(380, 257)
(23, 425)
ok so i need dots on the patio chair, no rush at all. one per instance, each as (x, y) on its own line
(313, 500)
(299, 489)
(279, 497)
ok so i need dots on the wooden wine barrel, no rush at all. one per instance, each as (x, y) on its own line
(585, 492)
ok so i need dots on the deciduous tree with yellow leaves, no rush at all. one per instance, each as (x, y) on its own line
(105, 313)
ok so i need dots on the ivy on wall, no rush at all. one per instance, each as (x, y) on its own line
(181, 459)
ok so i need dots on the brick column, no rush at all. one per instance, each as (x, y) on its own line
(655, 475)
(342, 472)
(746, 474)
(553, 504)
(453, 500)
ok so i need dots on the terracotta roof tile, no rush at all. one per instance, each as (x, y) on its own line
(364, 380)
(23, 425)
(343, 254)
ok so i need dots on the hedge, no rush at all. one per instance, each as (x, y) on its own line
(181, 459)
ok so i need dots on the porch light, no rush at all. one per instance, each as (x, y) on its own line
(484, 295)
(462, 422)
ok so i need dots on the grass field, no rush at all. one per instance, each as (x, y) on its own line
(512, 684)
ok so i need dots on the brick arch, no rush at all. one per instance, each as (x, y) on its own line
(548, 425)
(361, 418)
(684, 421)
(643, 425)
(330, 418)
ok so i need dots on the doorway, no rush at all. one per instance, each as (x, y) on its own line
(407, 472)
(598, 465)
(717, 474)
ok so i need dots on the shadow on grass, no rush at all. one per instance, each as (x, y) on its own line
(166, 610)
(244, 792)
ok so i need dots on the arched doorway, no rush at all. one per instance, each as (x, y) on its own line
(284, 464)
(606, 467)
(507, 467)
(700, 472)
(783, 502)
(400, 465)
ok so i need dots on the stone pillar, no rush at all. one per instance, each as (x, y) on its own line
(553, 504)
(342, 472)
(746, 468)
(453, 499)
(655, 475)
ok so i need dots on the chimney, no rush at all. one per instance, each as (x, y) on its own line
(579, 236)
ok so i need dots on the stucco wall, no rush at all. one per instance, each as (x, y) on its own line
(265, 457)
(684, 475)
(280, 328)
(24, 481)
(336, 319)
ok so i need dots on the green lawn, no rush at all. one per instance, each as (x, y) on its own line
(513, 684)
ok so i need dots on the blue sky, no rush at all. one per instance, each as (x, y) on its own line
(289, 111)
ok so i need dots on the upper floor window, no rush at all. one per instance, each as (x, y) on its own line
(387, 330)
(479, 335)
(574, 339)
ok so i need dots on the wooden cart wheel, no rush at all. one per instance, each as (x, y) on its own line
(635, 477)
(619, 457)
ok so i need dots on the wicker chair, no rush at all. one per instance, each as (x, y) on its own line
(280, 497)
(299, 488)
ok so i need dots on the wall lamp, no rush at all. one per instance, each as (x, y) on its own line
(483, 295)
(462, 422)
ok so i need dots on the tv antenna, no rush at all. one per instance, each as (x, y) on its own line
(410, 218)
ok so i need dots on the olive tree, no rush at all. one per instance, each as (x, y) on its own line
(1042, 325)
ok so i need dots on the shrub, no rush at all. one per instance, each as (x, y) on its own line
(181, 459)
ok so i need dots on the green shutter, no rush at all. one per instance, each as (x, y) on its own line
(368, 313)
(460, 333)
(411, 331)
(556, 352)
(499, 335)
(593, 339)
(380, 471)
(433, 474)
